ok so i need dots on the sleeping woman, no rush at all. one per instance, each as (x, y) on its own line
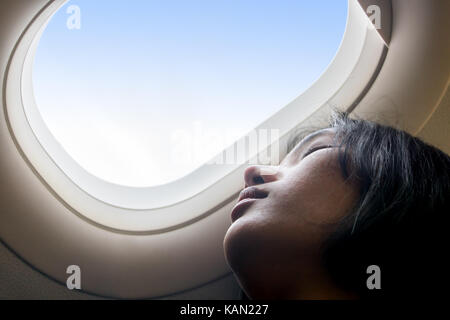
(355, 210)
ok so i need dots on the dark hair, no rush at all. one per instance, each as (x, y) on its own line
(398, 222)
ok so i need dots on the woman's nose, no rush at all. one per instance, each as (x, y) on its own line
(254, 175)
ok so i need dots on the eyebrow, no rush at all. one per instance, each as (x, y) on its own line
(309, 138)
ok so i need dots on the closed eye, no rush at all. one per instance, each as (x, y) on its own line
(314, 149)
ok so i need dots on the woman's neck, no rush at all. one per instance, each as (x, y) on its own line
(310, 284)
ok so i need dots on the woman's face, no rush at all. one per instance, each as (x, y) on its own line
(286, 212)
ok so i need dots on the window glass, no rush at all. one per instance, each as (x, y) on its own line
(141, 93)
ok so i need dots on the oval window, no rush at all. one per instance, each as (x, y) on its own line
(141, 93)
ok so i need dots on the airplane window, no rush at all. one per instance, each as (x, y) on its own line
(141, 93)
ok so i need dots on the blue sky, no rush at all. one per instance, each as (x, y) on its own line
(118, 90)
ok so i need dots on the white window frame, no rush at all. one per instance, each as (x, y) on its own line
(204, 191)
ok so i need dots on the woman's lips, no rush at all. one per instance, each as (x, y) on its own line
(245, 200)
(240, 207)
